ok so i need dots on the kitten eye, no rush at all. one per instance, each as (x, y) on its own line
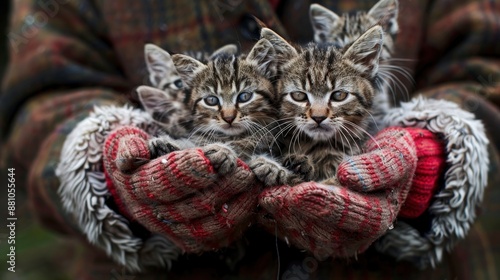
(339, 95)
(178, 83)
(244, 97)
(211, 100)
(298, 96)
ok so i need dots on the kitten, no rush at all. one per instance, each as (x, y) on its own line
(161, 69)
(343, 30)
(326, 98)
(230, 99)
(169, 109)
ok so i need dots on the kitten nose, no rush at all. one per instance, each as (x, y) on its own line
(229, 119)
(318, 119)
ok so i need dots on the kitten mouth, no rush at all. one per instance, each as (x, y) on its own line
(231, 129)
(318, 128)
(319, 132)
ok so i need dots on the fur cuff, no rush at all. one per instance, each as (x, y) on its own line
(453, 206)
(83, 191)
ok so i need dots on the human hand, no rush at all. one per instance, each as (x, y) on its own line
(201, 199)
(343, 220)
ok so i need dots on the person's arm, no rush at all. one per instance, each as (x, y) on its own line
(61, 66)
(459, 62)
(440, 207)
(460, 58)
(57, 131)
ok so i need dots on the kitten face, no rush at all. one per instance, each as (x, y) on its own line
(168, 105)
(230, 96)
(161, 69)
(345, 29)
(323, 99)
(327, 93)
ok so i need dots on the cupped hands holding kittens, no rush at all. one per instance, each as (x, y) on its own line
(201, 198)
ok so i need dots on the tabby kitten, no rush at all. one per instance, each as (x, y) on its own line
(343, 30)
(230, 99)
(326, 98)
(161, 69)
(169, 108)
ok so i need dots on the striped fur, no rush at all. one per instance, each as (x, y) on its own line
(326, 99)
(345, 29)
(228, 99)
(168, 109)
(161, 69)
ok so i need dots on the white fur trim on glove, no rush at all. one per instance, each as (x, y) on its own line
(83, 191)
(453, 207)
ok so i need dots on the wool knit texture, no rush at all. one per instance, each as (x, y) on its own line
(180, 194)
(430, 165)
(90, 54)
(341, 221)
(380, 169)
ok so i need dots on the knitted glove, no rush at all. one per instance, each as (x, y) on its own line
(181, 195)
(341, 221)
(430, 169)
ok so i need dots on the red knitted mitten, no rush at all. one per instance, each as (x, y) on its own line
(341, 221)
(431, 162)
(181, 195)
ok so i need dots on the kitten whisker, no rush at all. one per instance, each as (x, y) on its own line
(374, 120)
(342, 135)
(364, 132)
(348, 133)
(391, 59)
(296, 143)
(388, 72)
(258, 129)
(355, 140)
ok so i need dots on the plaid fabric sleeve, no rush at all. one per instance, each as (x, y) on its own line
(460, 57)
(460, 62)
(60, 68)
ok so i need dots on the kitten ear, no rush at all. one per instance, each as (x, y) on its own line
(386, 13)
(153, 99)
(187, 67)
(365, 51)
(263, 56)
(230, 49)
(283, 49)
(323, 22)
(270, 52)
(159, 64)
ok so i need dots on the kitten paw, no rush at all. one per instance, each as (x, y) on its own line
(222, 157)
(300, 165)
(269, 172)
(161, 146)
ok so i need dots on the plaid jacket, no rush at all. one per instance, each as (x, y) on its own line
(67, 56)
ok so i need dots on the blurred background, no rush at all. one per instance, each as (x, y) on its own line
(33, 243)
(4, 13)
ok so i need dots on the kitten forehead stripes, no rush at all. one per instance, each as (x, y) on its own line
(225, 71)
